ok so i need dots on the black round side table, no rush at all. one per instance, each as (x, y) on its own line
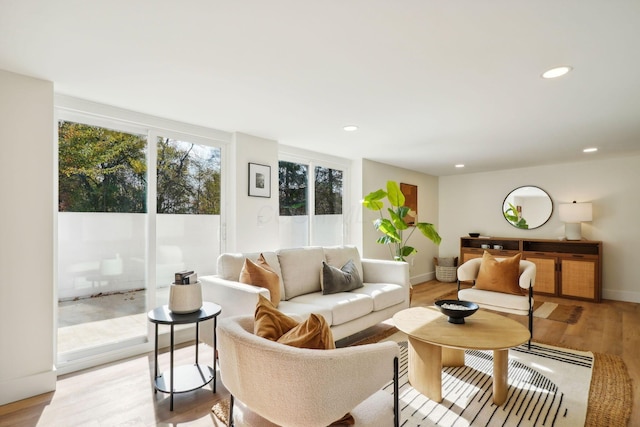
(185, 378)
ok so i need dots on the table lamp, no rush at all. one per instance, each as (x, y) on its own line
(573, 214)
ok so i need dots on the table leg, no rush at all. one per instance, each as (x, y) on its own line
(171, 373)
(155, 364)
(215, 352)
(197, 341)
(500, 372)
(452, 356)
(425, 368)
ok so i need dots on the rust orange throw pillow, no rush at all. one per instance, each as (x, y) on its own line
(273, 325)
(313, 333)
(499, 276)
(262, 275)
(269, 322)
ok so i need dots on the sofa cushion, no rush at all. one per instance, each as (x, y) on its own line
(312, 333)
(345, 279)
(301, 311)
(300, 269)
(499, 275)
(261, 274)
(337, 256)
(384, 294)
(344, 306)
(269, 322)
(230, 266)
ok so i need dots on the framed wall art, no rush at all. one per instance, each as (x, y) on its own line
(259, 180)
(411, 200)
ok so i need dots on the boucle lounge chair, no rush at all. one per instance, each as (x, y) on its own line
(290, 386)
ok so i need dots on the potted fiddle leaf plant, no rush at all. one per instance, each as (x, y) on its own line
(393, 228)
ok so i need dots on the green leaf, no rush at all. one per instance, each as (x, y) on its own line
(385, 226)
(385, 240)
(373, 200)
(397, 218)
(395, 196)
(429, 231)
(407, 250)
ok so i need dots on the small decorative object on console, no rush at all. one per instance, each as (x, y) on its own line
(456, 310)
(474, 234)
(185, 295)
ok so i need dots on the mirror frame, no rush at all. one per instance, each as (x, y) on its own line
(506, 208)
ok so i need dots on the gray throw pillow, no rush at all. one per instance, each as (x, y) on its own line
(345, 279)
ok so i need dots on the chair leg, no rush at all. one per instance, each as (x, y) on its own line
(231, 423)
(396, 398)
(530, 316)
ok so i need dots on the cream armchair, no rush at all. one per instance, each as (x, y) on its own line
(290, 386)
(509, 303)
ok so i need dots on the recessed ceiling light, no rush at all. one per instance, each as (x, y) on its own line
(460, 165)
(556, 72)
(590, 150)
(350, 128)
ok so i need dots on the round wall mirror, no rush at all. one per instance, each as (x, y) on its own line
(527, 207)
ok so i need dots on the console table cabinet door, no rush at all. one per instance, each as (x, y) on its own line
(579, 278)
(546, 277)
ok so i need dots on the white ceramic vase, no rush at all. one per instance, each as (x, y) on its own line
(185, 298)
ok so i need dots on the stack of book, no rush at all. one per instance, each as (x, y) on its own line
(186, 277)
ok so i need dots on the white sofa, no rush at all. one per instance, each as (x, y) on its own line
(385, 291)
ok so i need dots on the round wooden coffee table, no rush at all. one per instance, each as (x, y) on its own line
(434, 343)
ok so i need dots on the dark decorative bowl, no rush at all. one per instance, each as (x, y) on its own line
(456, 310)
(474, 234)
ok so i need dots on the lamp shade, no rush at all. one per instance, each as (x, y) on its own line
(575, 212)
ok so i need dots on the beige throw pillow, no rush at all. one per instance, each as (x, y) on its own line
(499, 276)
(262, 275)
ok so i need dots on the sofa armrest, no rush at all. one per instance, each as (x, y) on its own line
(235, 298)
(385, 271)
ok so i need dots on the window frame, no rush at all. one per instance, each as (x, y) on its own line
(313, 160)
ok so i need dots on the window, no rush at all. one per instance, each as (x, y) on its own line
(188, 178)
(310, 214)
(328, 191)
(100, 170)
(293, 188)
(137, 202)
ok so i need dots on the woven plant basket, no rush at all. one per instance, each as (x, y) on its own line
(446, 269)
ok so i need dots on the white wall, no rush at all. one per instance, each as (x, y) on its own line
(473, 202)
(252, 222)
(27, 230)
(374, 176)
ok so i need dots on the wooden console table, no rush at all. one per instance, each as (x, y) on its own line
(564, 268)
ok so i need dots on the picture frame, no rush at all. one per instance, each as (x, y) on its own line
(259, 180)
(410, 192)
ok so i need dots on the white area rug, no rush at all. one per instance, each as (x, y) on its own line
(548, 386)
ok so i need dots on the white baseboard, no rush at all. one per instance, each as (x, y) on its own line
(21, 388)
(621, 295)
(422, 278)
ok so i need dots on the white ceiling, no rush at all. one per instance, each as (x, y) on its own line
(429, 83)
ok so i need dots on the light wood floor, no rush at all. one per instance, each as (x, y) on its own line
(120, 393)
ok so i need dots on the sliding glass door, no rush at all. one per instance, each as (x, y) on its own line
(136, 205)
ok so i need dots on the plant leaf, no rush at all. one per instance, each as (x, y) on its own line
(407, 250)
(395, 196)
(429, 231)
(386, 227)
(373, 200)
(397, 217)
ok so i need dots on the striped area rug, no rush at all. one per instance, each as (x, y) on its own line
(548, 386)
